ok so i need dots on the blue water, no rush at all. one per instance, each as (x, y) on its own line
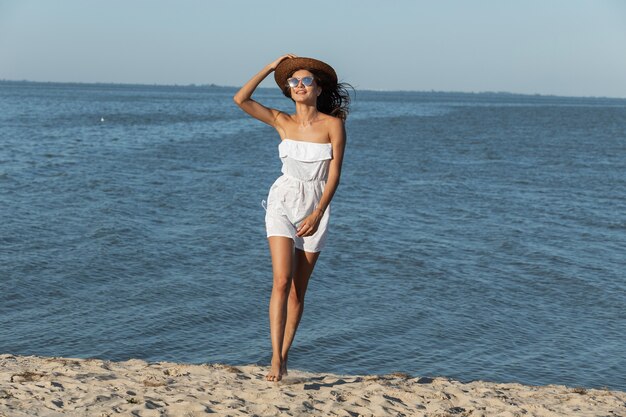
(474, 236)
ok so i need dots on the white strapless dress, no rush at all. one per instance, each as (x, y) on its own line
(296, 193)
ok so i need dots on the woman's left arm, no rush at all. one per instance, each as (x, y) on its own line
(337, 135)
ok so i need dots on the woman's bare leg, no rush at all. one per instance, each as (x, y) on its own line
(304, 264)
(281, 250)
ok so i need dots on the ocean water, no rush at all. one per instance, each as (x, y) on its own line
(473, 236)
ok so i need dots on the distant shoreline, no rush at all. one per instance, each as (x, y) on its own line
(227, 87)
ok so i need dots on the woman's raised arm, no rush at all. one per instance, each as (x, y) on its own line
(244, 100)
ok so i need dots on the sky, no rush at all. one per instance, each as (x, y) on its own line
(559, 47)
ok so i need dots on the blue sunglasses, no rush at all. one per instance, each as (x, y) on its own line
(306, 81)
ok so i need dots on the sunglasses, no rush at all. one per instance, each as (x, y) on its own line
(306, 81)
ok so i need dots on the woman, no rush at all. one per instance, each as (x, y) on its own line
(298, 204)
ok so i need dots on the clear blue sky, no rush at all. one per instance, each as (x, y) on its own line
(563, 47)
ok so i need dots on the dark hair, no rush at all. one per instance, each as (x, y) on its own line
(334, 98)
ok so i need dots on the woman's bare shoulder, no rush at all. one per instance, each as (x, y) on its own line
(332, 122)
(336, 130)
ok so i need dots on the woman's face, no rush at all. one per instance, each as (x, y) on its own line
(301, 93)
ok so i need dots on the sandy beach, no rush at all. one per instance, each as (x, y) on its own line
(40, 386)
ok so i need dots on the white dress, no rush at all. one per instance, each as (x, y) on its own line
(296, 193)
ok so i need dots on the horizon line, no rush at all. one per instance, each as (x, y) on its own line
(213, 85)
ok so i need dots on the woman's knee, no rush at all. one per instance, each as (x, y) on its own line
(296, 296)
(282, 284)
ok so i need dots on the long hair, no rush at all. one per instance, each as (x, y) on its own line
(334, 99)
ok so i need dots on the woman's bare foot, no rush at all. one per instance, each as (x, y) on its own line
(276, 372)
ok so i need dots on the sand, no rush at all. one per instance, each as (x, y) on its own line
(39, 386)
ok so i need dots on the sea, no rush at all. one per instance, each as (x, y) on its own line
(475, 236)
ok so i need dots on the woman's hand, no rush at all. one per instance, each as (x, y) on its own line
(310, 224)
(274, 64)
(243, 97)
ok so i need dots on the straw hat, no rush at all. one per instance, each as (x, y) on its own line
(290, 65)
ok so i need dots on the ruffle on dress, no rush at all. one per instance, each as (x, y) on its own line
(305, 151)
